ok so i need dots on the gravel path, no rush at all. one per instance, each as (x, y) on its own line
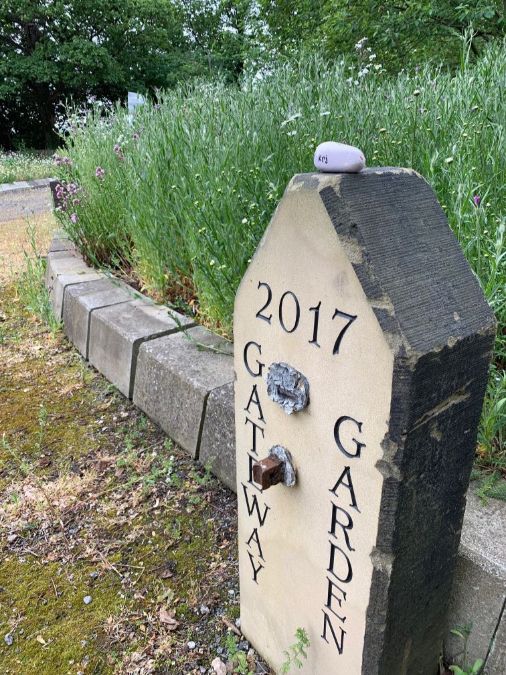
(19, 205)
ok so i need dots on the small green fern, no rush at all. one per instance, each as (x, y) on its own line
(296, 651)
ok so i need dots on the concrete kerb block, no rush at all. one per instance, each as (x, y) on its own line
(479, 588)
(61, 242)
(217, 447)
(19, 186)
(63, 281)
(496, 662)
(59, 262)
(117, 332)
(82, 299)
(175, 376)
(62, 269)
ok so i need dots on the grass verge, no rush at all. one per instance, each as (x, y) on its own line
(117, 551)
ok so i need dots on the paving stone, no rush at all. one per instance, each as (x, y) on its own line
(82, 299)
(175, 376)
(217, 447)
(479, 588)
(117, 332)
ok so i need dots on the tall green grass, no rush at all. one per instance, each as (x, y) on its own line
(30, 286)
(192, 183)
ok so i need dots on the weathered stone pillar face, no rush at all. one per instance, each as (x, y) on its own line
(357, 287)
(301, 303)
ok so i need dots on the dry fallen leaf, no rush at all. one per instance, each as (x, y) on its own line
(40, 639)
(168, 619)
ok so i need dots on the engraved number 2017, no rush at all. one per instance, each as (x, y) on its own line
(350, 318)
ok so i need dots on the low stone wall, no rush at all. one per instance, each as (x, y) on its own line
(21, 185)
(181, 375)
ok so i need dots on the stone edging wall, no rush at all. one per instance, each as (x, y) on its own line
(181, 375)
(21, 185)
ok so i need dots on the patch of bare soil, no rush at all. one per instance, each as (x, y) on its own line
(117, 551)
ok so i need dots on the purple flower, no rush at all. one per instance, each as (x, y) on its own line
(73, 217)
(99, 173)
(476, 200)
(58, 160)
(118, 151)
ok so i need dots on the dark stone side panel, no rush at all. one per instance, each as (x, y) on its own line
(445, 329)
(437, 458)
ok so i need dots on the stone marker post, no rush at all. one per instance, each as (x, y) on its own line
(362, 344)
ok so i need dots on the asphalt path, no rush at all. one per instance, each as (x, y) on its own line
(24, 205)
(23, 215)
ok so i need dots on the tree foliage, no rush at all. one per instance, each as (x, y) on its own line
(402, 32)
(57, 50)
(223, 32)
(53, 50)
(410, 32)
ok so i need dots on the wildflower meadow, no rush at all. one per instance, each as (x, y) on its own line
(178, 194)
(16, 166)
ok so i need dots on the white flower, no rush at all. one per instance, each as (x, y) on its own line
(292, 118)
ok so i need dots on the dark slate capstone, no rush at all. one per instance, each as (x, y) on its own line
(441, 330)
